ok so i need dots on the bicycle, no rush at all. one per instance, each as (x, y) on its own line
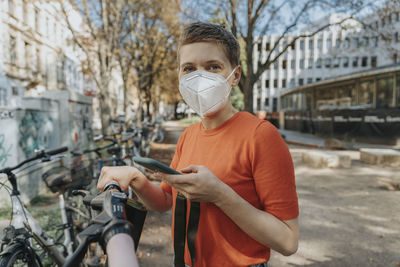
(110, 227)
(24, 230)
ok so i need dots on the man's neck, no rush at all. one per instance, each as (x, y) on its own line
(219, 118)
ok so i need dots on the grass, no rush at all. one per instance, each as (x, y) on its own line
(190, 121)
(5, 212)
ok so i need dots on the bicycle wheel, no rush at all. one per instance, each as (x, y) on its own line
(20, 256)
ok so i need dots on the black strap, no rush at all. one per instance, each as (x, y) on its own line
(180, 231)
(193, 225)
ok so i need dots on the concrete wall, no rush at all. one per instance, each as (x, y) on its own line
(57, 118)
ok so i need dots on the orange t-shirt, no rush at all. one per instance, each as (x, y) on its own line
(249, 155)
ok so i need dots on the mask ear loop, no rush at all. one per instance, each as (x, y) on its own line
(229, 76)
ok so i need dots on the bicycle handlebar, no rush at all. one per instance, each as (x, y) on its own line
(39, 155)
(97, 149)
(110, 228)
(56, 151)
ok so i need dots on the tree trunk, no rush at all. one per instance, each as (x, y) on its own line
(105, 112)
(248, 95)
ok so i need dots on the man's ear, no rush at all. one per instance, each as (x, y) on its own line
(236, 75)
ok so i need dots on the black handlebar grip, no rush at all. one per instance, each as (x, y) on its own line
(56, 151)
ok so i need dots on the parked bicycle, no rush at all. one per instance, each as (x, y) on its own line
(24, 234)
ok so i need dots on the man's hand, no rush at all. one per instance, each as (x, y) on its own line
(123, 175)
(199, 184)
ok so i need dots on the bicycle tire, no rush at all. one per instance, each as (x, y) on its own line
(20, 253)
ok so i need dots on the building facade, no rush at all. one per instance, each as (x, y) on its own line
(333, 52)
(38, 54)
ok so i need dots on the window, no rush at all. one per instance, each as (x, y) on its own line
(11, 6)
(383, 22)
(266, 102)
(14, 90)
(292, 64)
(355, 62)
(302, 44)
(276, 65)
(374, 61)
(275, 83)
(259, 45)
(336, 62)
(258, 103)
(337, 43)
(13, 55)
(301, 81)
(266, 83)
(38, 60)
(310, 63)
(356, 42)
(25, 11)
(346, 43)
(284, 63)
(319, 43)
(327, 63)
(394, 57)
(291, 83)
(328, 43)
(283, 83)
(37, 19)
(345, 62)
(309, 80)
(268, 46)
(47, 26)
(364, 61)
(397, 17)
(301, 63)
(28, 61)
(292, 45)
(318, 63)
(374, 41)
(396, 37)
(365, 42)
(384, 93)
(317, 79)
(310, 44)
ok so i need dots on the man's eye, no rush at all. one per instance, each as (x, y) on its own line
(187, 69)
(215, 67)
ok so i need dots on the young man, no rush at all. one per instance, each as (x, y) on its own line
(236, 165)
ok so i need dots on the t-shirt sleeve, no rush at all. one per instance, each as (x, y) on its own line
(174, 163)
(273, 173)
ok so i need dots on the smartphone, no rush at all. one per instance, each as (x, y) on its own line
(154, 165)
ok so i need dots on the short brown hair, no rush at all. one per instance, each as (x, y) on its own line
(209, 32)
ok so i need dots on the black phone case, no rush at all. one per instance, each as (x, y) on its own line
(154, 165)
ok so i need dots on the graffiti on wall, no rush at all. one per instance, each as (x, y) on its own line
(4, 150)
(35, 131)
(81, 124)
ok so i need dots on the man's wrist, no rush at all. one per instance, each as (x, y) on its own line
(224, 196)
(139, 180)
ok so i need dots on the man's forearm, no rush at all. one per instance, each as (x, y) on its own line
(260, 225)
(153, 196)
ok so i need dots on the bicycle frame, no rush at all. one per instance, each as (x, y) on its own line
(24, 223)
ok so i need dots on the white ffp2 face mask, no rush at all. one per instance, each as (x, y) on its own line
(205, 92)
